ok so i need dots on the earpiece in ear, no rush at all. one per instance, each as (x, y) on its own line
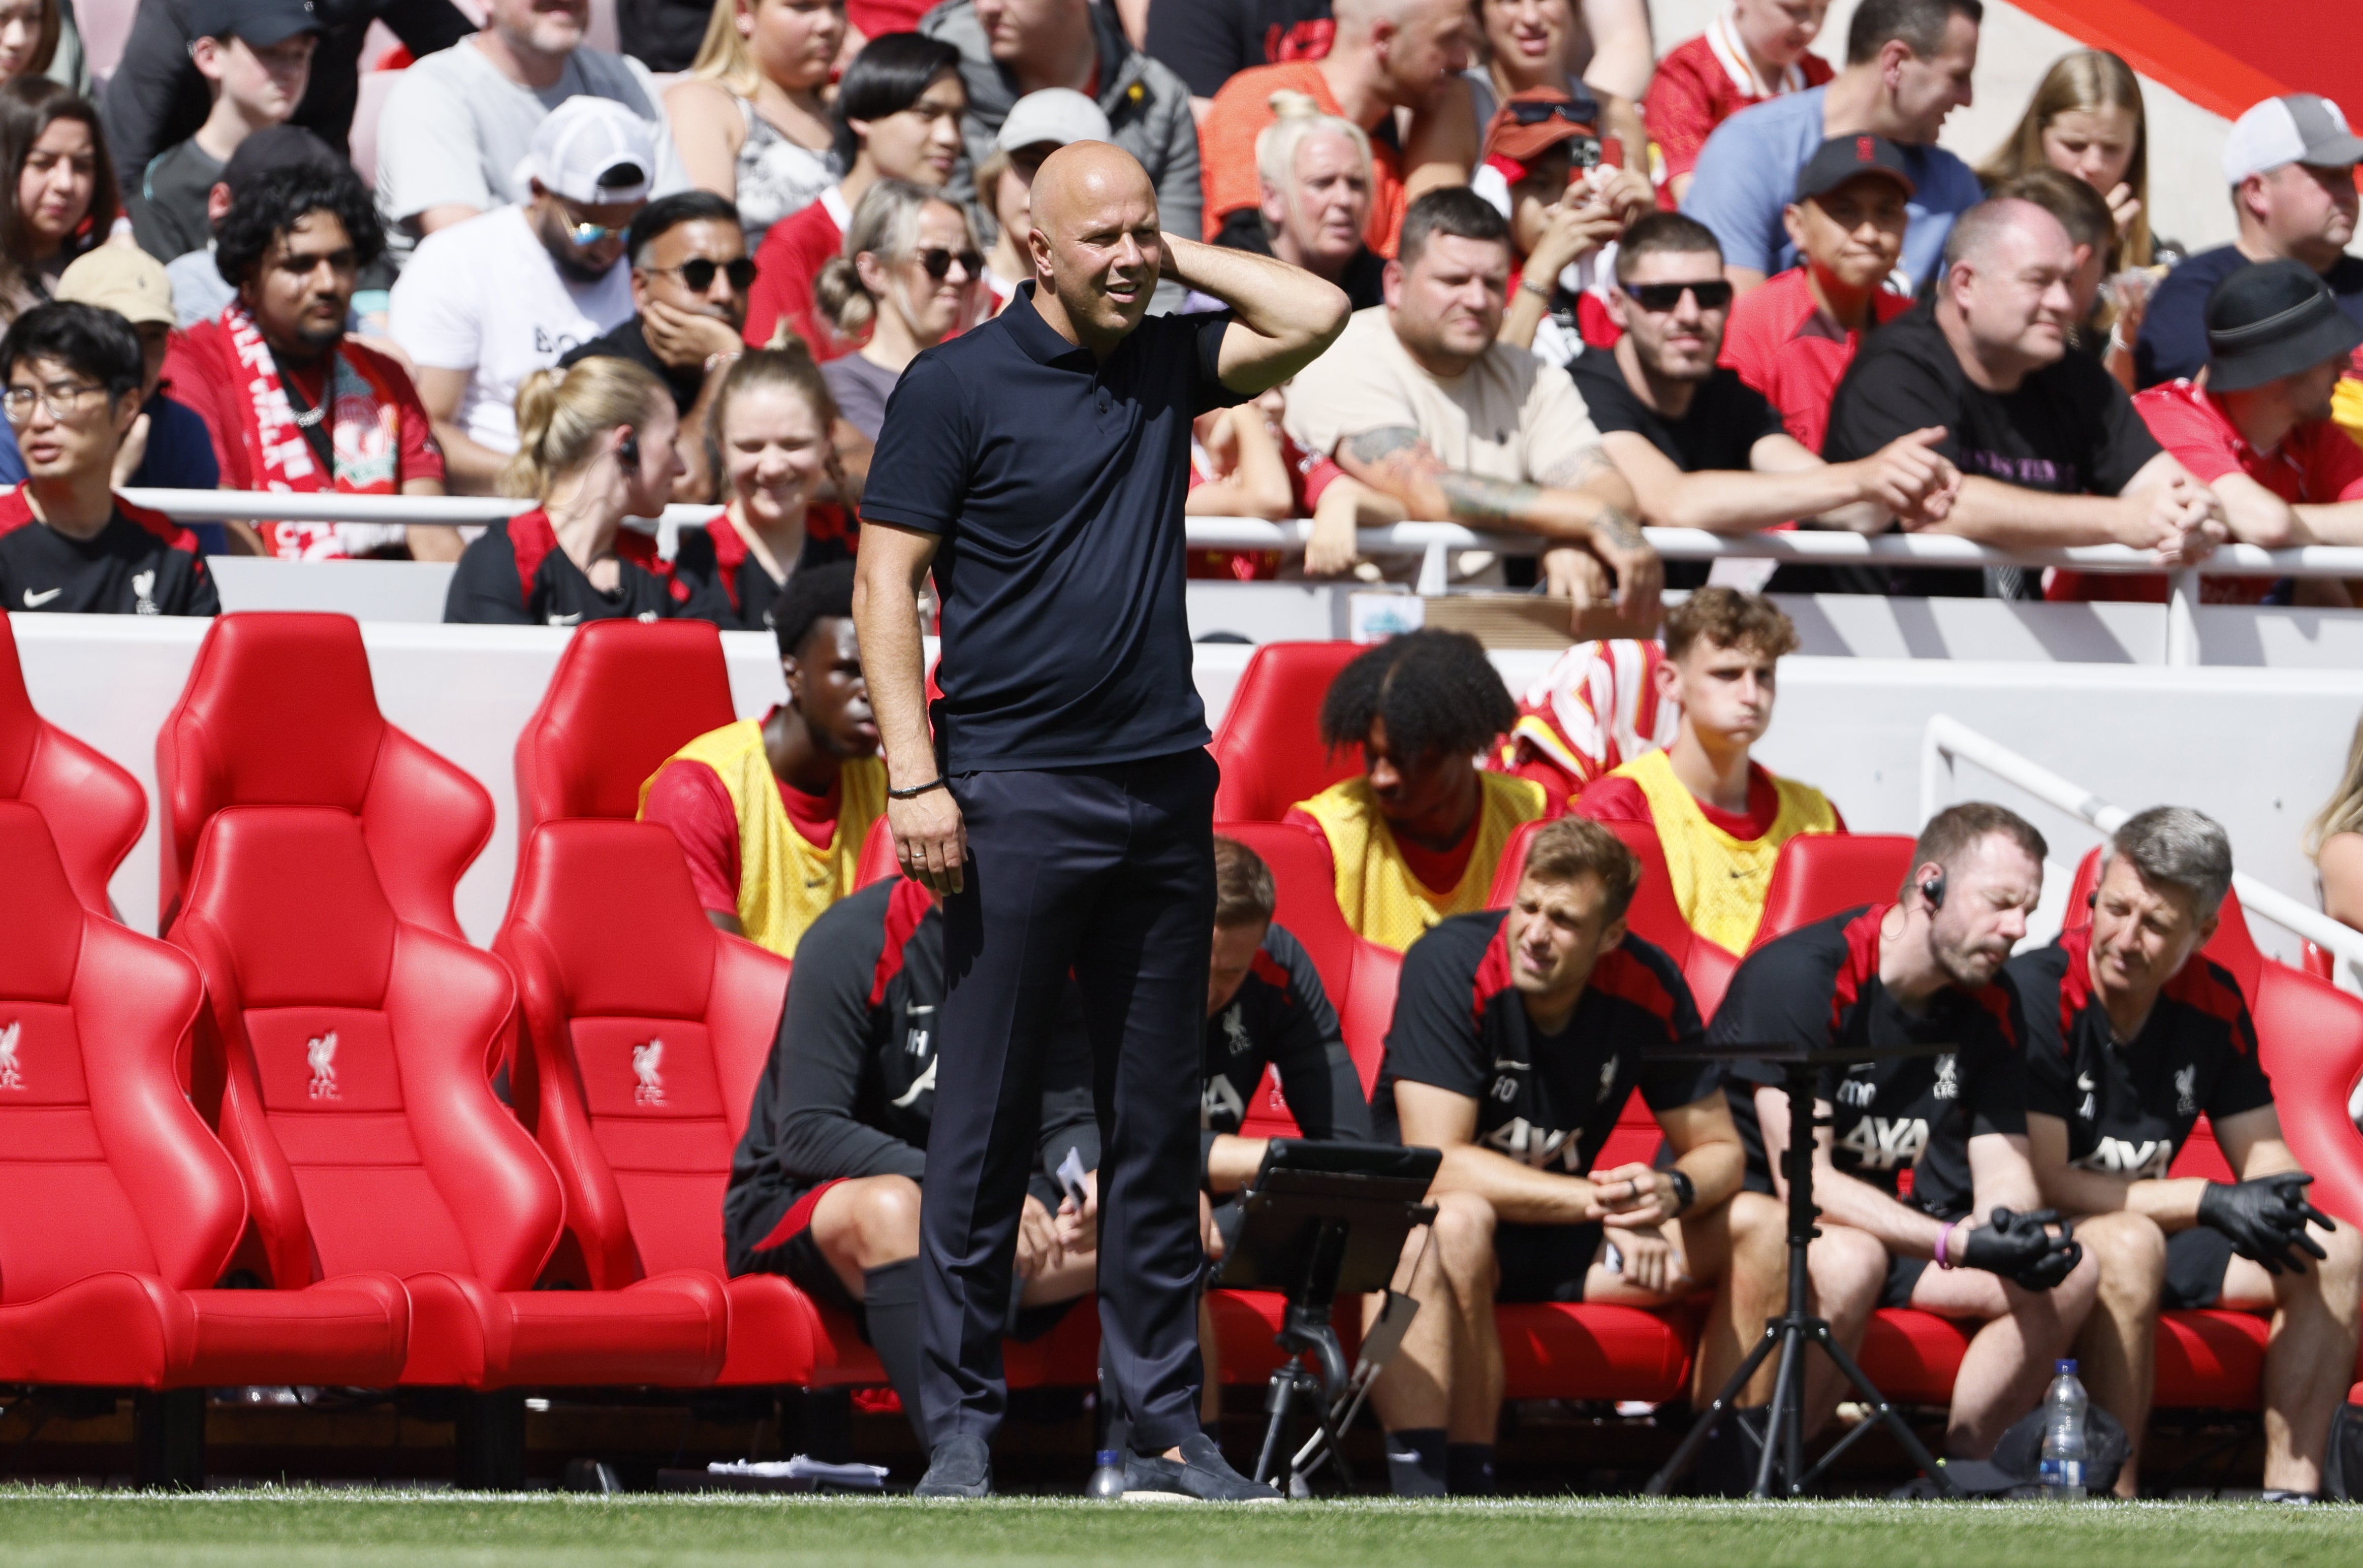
(629, 452)
(1932, 890)
(2093, 899)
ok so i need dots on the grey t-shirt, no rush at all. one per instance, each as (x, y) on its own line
(465, 129)
(861, 389)
(168, 212)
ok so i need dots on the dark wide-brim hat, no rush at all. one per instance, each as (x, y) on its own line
(2272, 319)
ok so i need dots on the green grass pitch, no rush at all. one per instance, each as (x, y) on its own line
(352, 1529)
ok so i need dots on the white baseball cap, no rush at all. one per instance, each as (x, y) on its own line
(1055, 115)
(592, 150)
(2297, 128)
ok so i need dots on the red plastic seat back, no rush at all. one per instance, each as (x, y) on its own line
(625, 695)
(876, 862)
(2310, 1035)
(108, 1166)
(94, 809)
(1819, 874)
(645, 1033)
(279, 711)
(2233, 946)
(354, 1043)
(1270, 741)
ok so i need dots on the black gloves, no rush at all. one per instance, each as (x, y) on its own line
(2265, 1219)
(2020, 1248)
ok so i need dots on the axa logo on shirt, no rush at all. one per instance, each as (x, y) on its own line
(321, 1055)
(12, 1076)
(1220, 1105)
(647, 1064)
(1522, 1140)
(2143, 1159)
(1883, 1143)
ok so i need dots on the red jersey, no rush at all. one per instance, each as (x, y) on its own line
(2315, 464)
(1595, 708)
(1704, 82)
(689, 798)
(1621, 800)
(1789, 349)
(793, 251)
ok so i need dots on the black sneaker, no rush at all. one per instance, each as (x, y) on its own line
(960, 1467)
(1200, 1475)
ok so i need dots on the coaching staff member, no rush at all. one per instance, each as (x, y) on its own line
(1065, 806)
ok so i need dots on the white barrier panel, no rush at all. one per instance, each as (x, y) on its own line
(2258, 749)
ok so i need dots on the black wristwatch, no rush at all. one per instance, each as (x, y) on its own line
(1684, 1188)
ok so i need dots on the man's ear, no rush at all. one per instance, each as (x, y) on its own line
(1669, 681)
(1390, 284)
(127, 410)
(791, 670)
(1618, 302)
(1037, 248)
(1612, 934)
(1793, 222)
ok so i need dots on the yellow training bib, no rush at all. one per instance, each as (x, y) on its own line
(1376, 889)
(1718, 881)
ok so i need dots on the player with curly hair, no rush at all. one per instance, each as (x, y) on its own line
(1416, 836)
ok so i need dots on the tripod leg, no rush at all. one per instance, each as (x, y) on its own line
(1788, 1390)
(1881, 1410)
(1671, 1471)
(1275, 1435)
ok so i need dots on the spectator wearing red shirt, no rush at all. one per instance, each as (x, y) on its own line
(2259, 432)
(292, 404)
(1752, 50)
(1408, 56)
(1549, 169)
(898, 114)
(1792, 339)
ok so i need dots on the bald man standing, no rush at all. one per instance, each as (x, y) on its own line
(1064, 805)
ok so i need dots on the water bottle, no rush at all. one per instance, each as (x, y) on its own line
(1107, 1474)
(2062, 1472)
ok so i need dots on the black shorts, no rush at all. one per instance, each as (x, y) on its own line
(2195, 1261)
(804, 1265)
(1903, 1277)
(1544, 1262)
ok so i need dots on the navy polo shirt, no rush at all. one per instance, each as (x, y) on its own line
(1056, 483)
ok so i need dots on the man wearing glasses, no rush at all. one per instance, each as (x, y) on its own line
(487, 301)
(690, 277)
(1701, 447)
(68, 544)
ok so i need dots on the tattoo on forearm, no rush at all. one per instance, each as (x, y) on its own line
(1376, 446)
(1578, 470)
(1476, 499)
(1613, 526)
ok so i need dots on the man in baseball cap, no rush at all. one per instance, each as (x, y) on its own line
(256, 58)
(168, 446)
(1038, 124)
(2258, 432)
(2290, 162)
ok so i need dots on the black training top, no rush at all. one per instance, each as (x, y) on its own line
(1281, 1019)
(1819, 987)
(849, 1089)
(2130, 1107)
(1548, 1099)
(515, 575)
(140, 563)
(1056, 483)
(1725, 420)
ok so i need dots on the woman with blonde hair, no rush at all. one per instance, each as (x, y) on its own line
(750, 118)
(769, 433)
(2334, 841)
(1316, 172)
(908, 277)
(2086, 119)
(594, 447)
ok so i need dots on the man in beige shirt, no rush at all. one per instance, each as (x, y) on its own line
(1417, 400)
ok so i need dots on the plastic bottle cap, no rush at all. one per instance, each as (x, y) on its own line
(2065, 1367)
(1108, 1456)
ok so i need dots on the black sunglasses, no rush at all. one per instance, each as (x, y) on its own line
(699, 273)
(938, 262)
(1534, 112)
(1716, 295)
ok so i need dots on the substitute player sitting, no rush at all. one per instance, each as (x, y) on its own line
(1517, 1036)
(772, 812)
(2135, 1034)
(825, 1186)
(1720, 816)
(1926, 970)
(1416, 837)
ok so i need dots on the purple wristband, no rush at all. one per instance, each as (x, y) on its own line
(1942, 1237)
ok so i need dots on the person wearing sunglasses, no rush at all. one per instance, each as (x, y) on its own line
(484, 304)
(690, 277)
(69, 545)
(1704, 450)
(912, 275)
(1560, 184)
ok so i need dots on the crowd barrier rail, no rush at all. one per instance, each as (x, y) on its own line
(1434, 543)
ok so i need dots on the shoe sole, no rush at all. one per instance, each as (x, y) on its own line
(1149, 1496)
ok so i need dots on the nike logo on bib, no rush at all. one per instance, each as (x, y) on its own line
(35, 600)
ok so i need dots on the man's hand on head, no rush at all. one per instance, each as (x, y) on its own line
(682, 338)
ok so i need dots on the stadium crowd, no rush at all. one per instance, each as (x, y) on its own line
(1740, 289)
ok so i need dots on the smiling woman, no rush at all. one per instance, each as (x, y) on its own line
(60, 196)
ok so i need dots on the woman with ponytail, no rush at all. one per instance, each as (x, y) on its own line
(594, 447)
(909, 277)
(772, 448)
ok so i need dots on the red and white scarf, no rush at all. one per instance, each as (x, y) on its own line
(363, 434)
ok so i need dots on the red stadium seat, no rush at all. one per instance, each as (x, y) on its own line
(625, 695)
(876, 862)
(1270, 741)
(2232, 945)
(613, 959)
(94, 810)
(356, 1108)
(123, 1210)
(279, 711)
(1819, 874)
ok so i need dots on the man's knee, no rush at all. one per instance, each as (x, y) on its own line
(1849, 1269)
(2336, 1277)
(886, 1220)
(2129, 1251)
(1462, 1237)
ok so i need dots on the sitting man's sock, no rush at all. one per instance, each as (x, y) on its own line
(890, 1305)
(1415, 1462)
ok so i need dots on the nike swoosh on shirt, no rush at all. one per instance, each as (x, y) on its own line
(35, 600)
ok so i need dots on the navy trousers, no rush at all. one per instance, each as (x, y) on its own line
(1108, 873)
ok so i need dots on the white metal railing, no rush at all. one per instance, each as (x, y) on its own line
(1946, 738)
